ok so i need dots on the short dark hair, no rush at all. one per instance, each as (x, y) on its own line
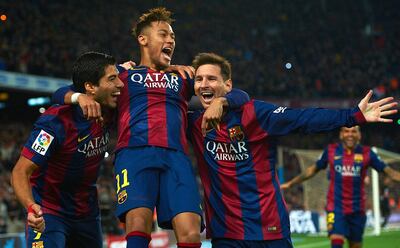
(213, 59)
(90, 67)
(159, 14)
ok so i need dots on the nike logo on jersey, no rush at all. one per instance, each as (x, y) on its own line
(80, 139)
(337, 157)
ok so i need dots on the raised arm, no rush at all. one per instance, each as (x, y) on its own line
(309, 173)
(393, 174)
(20, 182)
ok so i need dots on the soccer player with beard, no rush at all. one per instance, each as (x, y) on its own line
(243, 203)
(348, 163)
(55, 176)
(152, 168)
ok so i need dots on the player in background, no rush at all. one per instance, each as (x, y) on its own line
(243, 203)
(152, 168)
(55, 176)
(347, 162)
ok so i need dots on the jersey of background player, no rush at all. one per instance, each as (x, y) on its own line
(152, 109)
(347, 171)
(237, 166)
(68, 150)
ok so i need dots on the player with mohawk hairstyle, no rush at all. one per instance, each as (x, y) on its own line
(152, 168)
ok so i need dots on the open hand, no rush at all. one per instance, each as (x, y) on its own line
(374, 111)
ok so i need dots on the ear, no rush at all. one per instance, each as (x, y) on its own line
(228, 85)
(142, 39)
(90, 88)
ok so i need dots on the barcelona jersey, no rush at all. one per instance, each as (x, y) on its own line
(68, 150)
(346, 174)
(152, 109)
(237, 166)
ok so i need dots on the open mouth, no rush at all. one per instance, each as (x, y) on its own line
(116, 94)
(207, 96)
(167, 51)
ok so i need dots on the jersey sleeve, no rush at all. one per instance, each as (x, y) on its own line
(48, 133)
(376, 162)
(236, 98)
(283, 120)
(58, 95)
(322, 161)
(192, 117)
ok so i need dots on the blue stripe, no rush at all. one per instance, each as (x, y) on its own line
(357, 197)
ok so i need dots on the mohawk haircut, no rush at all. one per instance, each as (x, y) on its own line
(159, 14)
(213, 59)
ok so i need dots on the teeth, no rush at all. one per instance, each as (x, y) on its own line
(116, 93)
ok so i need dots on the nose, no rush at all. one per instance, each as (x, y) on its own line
(119, 83)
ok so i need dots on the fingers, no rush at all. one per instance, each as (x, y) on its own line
(385, 120)
(90, 108)
(367, 97)
(384, 101)
(36, 222)
(128, 65)
(388, 106)
(389, 112)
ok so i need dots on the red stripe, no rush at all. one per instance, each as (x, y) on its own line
(262, 168)
(330, 205)
(138, 234)
(157, 115)
(347, 183)
(124, 114)
(230, 194)
(360, 119)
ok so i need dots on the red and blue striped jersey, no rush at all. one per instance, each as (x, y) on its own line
(68, 150)
(237, 166)
(152, 109)
(346, 174)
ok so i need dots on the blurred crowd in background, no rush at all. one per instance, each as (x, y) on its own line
(279, 49)
(283, 48)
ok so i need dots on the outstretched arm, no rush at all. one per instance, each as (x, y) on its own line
(393, 174)
(309, 173)
(22, 188)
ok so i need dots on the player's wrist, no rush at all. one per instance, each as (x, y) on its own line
(29, 209)
(74, 97)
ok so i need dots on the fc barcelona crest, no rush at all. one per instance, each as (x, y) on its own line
(358, 158)
(122, 197)
(236, 133)
(38, 244)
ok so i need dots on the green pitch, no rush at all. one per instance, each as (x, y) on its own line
(387, 239)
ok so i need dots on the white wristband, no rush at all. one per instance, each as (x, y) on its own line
(74, 97)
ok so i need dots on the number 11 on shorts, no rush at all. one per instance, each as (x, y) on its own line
(125, 181)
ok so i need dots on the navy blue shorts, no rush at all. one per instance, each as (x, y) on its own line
(349, 225)
(60, 232)
(156, 177)
(233, 243)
